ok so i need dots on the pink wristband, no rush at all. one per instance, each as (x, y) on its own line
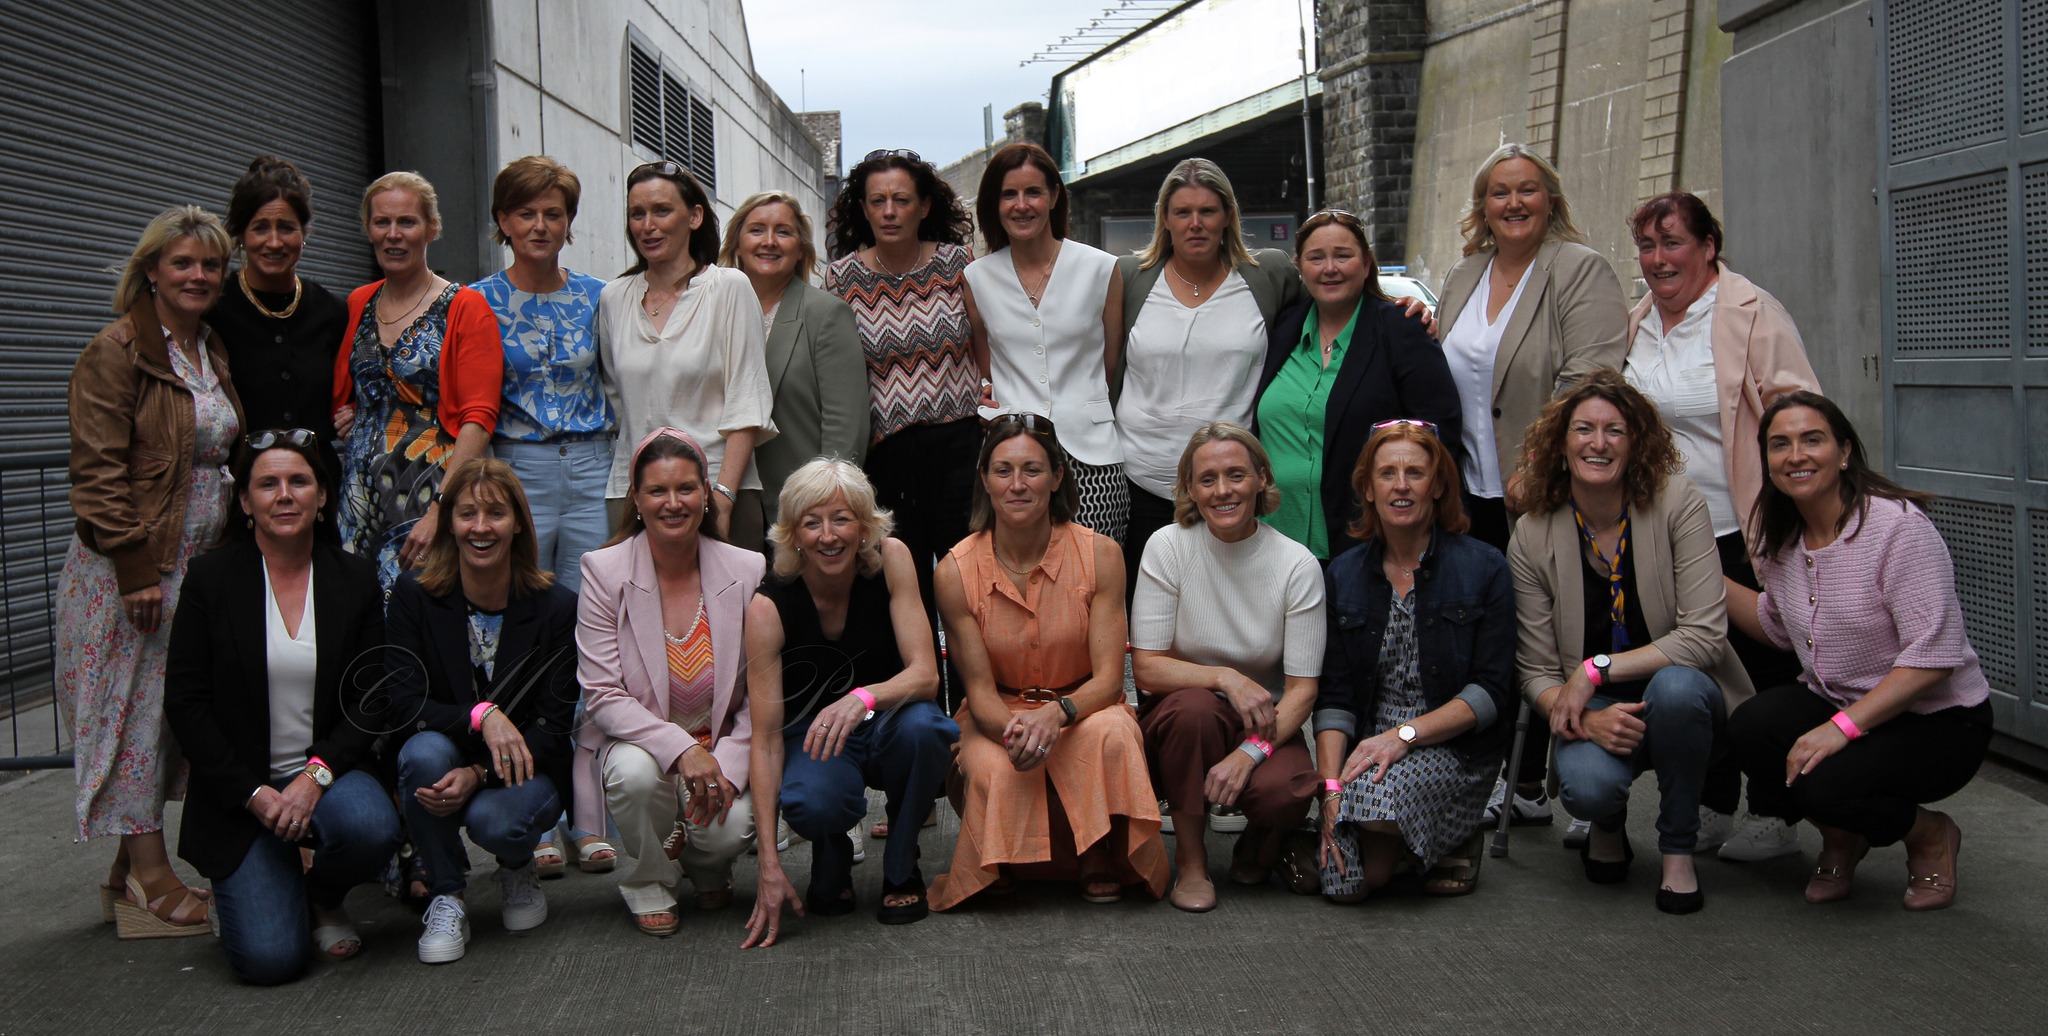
(1592, 672)
(1848, 726)
(476, 715)
(864, 695)
(1263, 744)
(1332, 784)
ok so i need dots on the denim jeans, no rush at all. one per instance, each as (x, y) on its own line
(565, 484)
(262, 906)
(905, 752)
(1683, 717)
(504, 821)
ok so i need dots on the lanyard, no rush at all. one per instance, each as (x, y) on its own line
(1617, 612)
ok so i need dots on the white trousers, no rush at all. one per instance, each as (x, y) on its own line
(646, 804)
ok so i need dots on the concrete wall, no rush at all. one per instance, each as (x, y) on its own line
(1800, 210)
(1023, 124)
(562, 90)
(1623, 93)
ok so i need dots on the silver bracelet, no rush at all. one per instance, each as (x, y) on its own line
(720, 487)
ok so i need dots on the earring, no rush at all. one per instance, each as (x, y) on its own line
(251, 522)
(319, 516)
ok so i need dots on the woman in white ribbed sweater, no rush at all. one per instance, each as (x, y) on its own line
(1227, 635)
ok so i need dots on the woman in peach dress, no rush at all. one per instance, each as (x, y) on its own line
(1055, 785)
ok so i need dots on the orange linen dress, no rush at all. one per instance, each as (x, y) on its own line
(1097, 767)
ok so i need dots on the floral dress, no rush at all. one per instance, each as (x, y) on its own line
(1435, 798)
(392, 461)
(110, 677)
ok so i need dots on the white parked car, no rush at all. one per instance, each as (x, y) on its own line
(1397, 285)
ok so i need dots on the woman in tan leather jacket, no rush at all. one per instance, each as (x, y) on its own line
(153, 418)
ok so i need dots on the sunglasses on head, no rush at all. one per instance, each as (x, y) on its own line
(1410, 422)
(661, 168)
(300, 438)
(899, 152)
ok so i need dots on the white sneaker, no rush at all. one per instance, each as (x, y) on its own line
(860, 845)
(1760, 838)
(525, 905)
(447, 934)
(1527, 812)
(1226, 820)
(1575, 833)
(1165, 819)
(1715, 827)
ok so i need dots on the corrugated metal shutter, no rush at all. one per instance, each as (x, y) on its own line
(115, 112)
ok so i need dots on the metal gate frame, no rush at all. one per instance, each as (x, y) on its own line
(1962, 141)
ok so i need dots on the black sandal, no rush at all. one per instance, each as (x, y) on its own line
(907, 913)
(836, 907)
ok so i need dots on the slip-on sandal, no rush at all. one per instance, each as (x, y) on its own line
(328, 936)
(658, 923)
(587, 865)
(547, 860)
(906, 913)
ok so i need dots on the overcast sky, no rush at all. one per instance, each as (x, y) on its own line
(921, 70)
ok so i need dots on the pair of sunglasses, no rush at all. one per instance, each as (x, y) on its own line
(1410, 422)
(900, 152)
(300, 438)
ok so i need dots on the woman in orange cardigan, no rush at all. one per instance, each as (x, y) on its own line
(416, 388)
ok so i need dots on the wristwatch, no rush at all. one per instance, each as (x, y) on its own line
(1600, 663)
(1407, 733)
(1067, 706)
(321, 775)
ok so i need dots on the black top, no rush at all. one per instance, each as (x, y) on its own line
(817, 670)
(1392, 368)
(283, 369)
(217, 688)
(1600, 628)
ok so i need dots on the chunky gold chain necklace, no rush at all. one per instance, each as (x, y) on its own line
(298, 292)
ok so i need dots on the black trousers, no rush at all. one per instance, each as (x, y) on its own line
(1149, 514)
(1873, 786)
(1766, 665)
(925, 474)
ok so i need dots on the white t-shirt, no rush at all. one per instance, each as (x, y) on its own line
(704, 372)
(1470, 349)
(1255, 605)
(1675, 372)
(1185, 367)
(291, 664)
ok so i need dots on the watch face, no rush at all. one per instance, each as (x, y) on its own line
(1602, 661)
(1406, 733)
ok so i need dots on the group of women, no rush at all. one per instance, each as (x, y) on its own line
(448, 597)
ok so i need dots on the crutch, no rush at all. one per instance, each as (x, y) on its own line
(1499, 847)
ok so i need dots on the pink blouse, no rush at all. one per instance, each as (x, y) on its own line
(1880, 597)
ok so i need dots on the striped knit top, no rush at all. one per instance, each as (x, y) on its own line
(914, 330)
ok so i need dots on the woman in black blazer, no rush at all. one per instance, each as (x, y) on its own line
(271, 690)
(1338, 363)
(483, 687)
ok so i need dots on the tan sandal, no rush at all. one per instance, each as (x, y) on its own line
(658, 923)
(174, 914)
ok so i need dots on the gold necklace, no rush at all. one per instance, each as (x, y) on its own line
(298, 292)
(417, 299)
(1025, 571)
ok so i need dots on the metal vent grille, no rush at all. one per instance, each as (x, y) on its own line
(2033, 64)
(703, 149)
(646, 88)
(2037, 526)
(1952, 268)
(1980, 537)
(2034, 182)
(670, 120)
(1946, 78)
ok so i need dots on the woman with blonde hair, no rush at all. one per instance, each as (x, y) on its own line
(841, 688)
(816, 371)
(417, 386)
(153, 418)
(1525, 314)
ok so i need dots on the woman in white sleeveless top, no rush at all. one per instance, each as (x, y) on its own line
(1048, 314)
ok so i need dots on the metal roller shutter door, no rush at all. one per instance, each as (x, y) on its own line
(117, 111)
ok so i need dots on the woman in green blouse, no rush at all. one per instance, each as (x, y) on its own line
(1337, 363)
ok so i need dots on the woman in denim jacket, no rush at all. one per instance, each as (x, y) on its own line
(1421, 650)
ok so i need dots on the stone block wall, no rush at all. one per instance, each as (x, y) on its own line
(1370, 55)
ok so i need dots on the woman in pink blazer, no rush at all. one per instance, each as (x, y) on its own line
(658, 637)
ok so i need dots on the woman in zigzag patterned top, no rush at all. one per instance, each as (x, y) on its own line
(899, 258)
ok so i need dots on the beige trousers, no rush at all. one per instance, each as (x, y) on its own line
(646, 804)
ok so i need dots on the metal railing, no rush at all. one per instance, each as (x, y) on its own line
(35, 531)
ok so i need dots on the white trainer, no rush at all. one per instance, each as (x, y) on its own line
(525, 905)
(447, 934)
(1165, 819)
(860, 845)
(1527, 811)
(1760, 838)
(1226, 820)
(1715, 827)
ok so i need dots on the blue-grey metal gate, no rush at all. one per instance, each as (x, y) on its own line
(1962, 137)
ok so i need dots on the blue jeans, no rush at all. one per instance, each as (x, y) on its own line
(262, 906)
(1684, 714)
(905, 752)
(565, 484)
(503, 821)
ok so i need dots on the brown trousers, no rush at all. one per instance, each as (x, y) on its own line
(1187, 732)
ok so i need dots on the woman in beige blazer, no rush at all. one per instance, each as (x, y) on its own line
(1527, 312)
(1711, 350)
(816, 369)
(1624, 628)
